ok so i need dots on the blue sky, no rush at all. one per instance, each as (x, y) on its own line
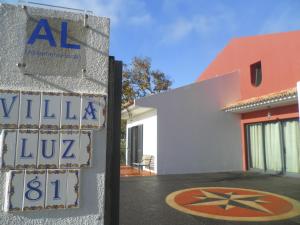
(183, 36)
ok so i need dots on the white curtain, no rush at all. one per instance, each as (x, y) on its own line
(256, 146)
(273, 146)
(292, 145)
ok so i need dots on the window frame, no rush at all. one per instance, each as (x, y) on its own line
(256, 74)
(248, 150)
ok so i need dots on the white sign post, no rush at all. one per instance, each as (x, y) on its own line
(53, 103)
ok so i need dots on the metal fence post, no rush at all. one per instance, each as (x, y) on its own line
(112, 174)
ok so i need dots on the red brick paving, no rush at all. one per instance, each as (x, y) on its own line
(128, 171)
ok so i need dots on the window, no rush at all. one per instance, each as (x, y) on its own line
(274, 146)
(256, 74)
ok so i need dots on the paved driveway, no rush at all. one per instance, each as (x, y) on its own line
(143, 198)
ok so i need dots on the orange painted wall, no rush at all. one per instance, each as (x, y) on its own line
(279, 54)
(280, 58)
(276, 114)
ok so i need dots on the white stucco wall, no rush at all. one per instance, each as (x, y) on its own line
(149, 122)
(12, 44)
(194, 135)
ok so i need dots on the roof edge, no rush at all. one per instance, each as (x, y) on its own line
(284, 97)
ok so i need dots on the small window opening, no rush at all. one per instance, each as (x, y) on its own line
(256, 74)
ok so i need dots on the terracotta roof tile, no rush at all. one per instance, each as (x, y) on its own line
(276, 95)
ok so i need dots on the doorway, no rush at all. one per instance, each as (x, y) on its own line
(274, 147)
(135, 144)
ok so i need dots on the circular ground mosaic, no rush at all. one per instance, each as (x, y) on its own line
(235, 204)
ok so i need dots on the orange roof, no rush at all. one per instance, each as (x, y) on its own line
(283, 95)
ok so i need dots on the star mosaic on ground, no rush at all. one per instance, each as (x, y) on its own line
(235, 204)
(231, 200)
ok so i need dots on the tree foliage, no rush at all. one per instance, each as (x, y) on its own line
(140, 80)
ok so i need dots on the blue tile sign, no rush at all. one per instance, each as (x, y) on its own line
(29, 190)
(45, 139)
(54, 110)
(9, 113)
(53, 87)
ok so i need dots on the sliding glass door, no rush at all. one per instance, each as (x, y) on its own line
(135, 144)
(292, 146)
(274, 146)
(255, 144)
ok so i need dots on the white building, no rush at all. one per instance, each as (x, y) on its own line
(226, 121)
(185, 130)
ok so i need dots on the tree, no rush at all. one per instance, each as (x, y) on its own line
(139, 80)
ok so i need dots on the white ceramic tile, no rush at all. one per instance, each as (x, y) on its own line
(73, 183)
(27, 146)
(90, 111)
(30, 105)
(34, 190)
(70, 116)
(8, 140)
(50, 110)
(69, 149)
(86, 148)
(56, 189)
(9, 109)
(14, 190)
(48, 150)
(102, 111)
